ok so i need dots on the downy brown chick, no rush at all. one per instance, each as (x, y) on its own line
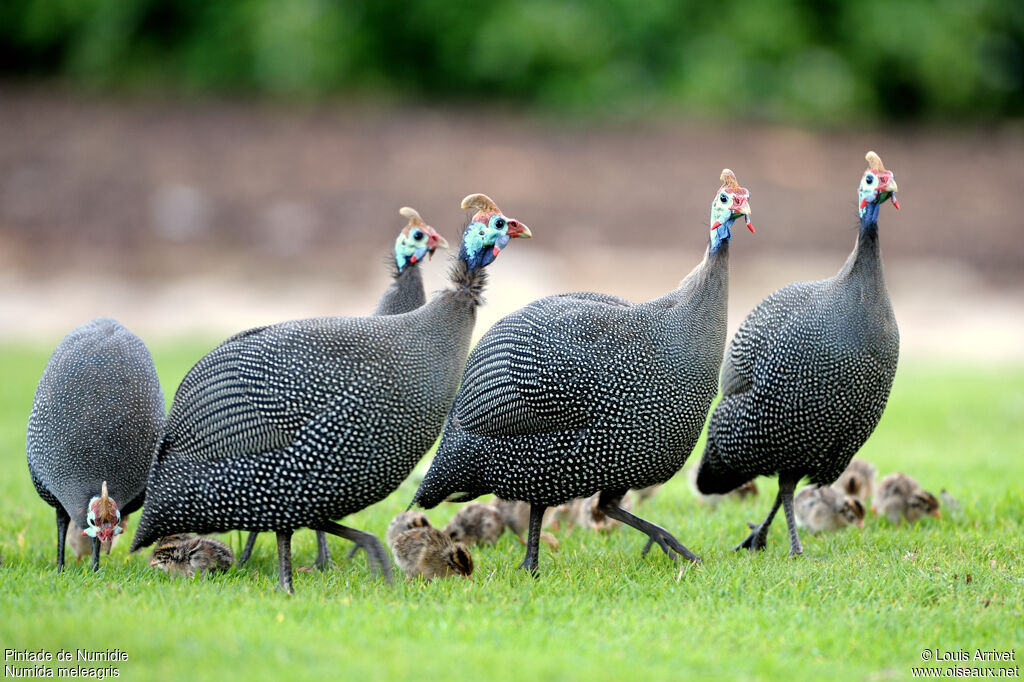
(899, 496)
(858, 480)
(81, 544)
(516, 517)
(748, 489)
(826, 508)
(184, 554)
(477, 522)
(590, 516)
(430, 553)
(402, 522)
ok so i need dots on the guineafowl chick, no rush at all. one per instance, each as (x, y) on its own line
(81, 543)
(807, 375)
(416, 241)
(590, 516)
(858, 480)
(826, 508)
(299, 423)
(96, 417)
(431, 553)
(404, 521)
(476, 523)
(516, 517)
(743, 491)
(185, 554)
(900, 497)
(586, 392)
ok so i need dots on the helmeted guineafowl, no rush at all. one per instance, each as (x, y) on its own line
(416, 241)
(95, 421)
(298, 423)
(807, 375)
(585, 392)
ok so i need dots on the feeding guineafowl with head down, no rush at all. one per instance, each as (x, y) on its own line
(298, 423)
(807, 375)
(416, 241)
(95, 421)
(585, 392)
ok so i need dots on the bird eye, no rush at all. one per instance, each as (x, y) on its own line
(417, 235)
(499, 223)
(723, 197)
(869, 178)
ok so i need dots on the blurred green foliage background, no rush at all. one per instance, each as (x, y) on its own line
(773, 59)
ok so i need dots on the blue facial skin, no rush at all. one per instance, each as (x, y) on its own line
(722, 233)
(480, 240)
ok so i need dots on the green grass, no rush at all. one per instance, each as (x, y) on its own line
(859, 605)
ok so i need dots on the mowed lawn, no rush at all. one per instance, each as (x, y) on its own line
(858, 605)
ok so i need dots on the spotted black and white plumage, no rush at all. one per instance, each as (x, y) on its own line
(295, 424)
(404, 295)
(586, 392)
(805, 381)
(96, 417)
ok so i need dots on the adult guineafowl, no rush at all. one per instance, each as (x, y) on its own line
(807, 375)
(95, 422)
(298, 423)
(584, 392)
(414, 242)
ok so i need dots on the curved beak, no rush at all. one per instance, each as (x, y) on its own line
(106, 533)
(743, 210)
(517, 229)
(888, 185)
(435, 241)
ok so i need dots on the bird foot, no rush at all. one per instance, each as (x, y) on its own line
(668, 543)
(530, 567)
(757, 540)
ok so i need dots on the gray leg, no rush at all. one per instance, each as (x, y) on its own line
(323, 552)
(378, 558)
(62, 533)
(247, 550)
(352, 551)
(759, 534)
(95, 554)
(533, 539)
(786, 491)
(608, 502)
(284, 561)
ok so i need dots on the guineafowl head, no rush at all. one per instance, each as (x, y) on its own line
(876, 185)
(459, 560)
(730, 202)
(416, 240)
(488, 232)
(103, 518)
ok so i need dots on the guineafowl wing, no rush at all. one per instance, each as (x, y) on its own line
(254, 392)
(540, 368)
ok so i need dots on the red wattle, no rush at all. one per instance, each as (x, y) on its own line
(863, 203)
(895, 203)
(716, 225)
(750, 226)
(496, 251)
(413, 259)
